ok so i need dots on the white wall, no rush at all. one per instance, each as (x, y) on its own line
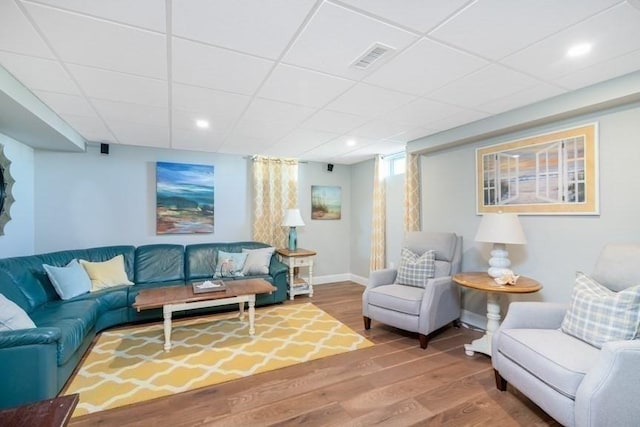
(90, 199)
(18, 236)
(557, 246)
(329, 238)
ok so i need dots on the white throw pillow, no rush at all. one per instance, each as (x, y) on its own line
(13, 317)
(69, 281)
(258, 261)
(415, 270)
(597, 315)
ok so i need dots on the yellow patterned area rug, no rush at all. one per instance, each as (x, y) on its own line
(130, 365)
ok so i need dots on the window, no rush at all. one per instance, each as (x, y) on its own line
(395, 164)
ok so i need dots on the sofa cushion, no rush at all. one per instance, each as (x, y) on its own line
(414, 269)
(557, 359)
(159, 263)
(597, 315)
(12, 317)
(404, 299)
(75, 319)
(69, 281)
(258, 261)
(107, 273)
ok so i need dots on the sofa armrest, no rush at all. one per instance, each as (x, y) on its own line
(386, 276)
(29, 337)
(534, 315)
(608, 394)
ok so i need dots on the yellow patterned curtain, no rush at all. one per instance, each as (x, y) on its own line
(412, 193)
(378, 221)
(275, 189)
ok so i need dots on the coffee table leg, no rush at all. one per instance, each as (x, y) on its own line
(166, 311)
(252, 314)
(241, 308)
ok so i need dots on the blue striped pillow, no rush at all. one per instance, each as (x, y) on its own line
(597, 315)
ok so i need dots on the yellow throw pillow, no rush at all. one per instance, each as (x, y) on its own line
(106, 274)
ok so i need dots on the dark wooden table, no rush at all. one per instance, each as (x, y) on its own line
(45, 413)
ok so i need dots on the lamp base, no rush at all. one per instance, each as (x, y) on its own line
(293, 239)
(499, 261)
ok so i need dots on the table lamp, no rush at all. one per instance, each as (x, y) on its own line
(500, 229)
(292, 219)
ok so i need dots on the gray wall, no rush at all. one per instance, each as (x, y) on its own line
(557, 246)
(18, 236)
(362, 190)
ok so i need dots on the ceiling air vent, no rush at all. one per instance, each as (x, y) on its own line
(371, 56)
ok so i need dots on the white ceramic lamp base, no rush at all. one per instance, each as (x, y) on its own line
(499, 261)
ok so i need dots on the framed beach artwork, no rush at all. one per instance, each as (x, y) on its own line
(326, 202)
(551, 174)
(184, 198)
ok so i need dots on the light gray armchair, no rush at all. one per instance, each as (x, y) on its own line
(574, 382)
(421, 310)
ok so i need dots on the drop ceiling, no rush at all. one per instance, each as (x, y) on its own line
(277, 77)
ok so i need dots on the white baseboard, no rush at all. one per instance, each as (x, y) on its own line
(473, 319)
(332, 278)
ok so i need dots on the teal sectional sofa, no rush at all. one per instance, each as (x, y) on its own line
(36, 363)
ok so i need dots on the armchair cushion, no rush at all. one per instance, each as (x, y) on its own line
(555, 358)
(403, 299)
(597, 315)
(414, 269)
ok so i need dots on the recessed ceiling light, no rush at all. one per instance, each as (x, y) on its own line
(351, 142)
(579, 50)
(202, 124)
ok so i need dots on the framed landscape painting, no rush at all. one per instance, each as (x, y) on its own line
(326, 202)
(550, 174)
(184, 198)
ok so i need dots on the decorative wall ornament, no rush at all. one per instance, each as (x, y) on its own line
(6, 185)
(549, 174)
(184, 198)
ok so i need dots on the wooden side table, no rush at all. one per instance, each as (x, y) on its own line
(54, 412)
(483, 282)
(295, 259)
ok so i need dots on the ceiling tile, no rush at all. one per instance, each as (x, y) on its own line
(415, 70)
(497, 28)
(303, 87)
(197, 139)
(39, 74)
(603, 71)
(334, 148)
(380, 129)
(369, 101)
(187, 120)
(301, 140)
(102, 44)
(412, 134)
(134, 113)
(384, 148)
(148, 14)
(275, 111)
(18, 35)
(490, 83)
(256, 27)
(67, 104)
(333, 121)
(120, 87)
(457, 119)
(422, 111)
(336, 37)
(245, 145)
(207, 66)
(613, 33)
(137, 134)
(529, 95)
(269, 131)
(419, 15)
(91, 128)
(212, 102)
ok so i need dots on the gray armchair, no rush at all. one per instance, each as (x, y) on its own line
(574, 382)
(421, 310)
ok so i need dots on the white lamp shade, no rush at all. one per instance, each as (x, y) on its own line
(501, 228)
(292, 218)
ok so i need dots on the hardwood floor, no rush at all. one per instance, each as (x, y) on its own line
(393, 383)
